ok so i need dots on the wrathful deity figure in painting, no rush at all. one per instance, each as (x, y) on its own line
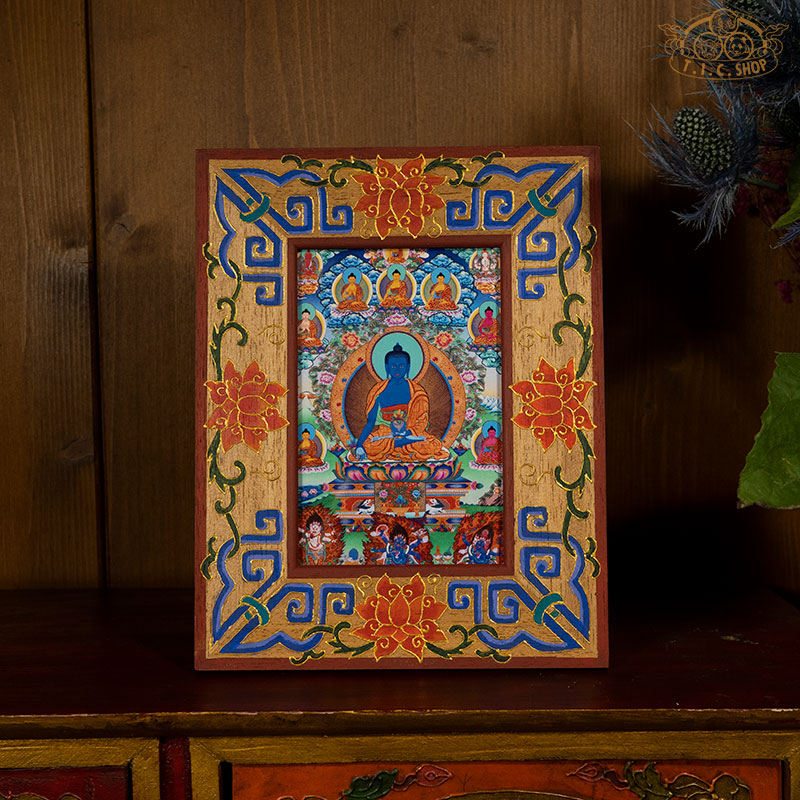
(400, 395)
(320, 540)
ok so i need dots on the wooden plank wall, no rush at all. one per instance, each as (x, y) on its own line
(49, 522)
(690, 332)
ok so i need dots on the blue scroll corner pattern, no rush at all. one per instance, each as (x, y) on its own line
(541, 556)
(511, 603)
(253, 625)
(238, 199)
(242, 190)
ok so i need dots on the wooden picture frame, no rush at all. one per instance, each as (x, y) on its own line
(399, 419)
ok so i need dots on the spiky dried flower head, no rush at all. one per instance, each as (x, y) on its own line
(750, 8)
(708, 146)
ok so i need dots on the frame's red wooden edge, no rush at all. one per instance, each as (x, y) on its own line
(203, 157)
(395, 152)
(599, 407)
(233, 663)
(349, 242)
(201, 358)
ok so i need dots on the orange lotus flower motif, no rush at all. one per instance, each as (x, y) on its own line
(553, 404)
(245, 406)
(350, 340)
(399, 198)
(400, 616)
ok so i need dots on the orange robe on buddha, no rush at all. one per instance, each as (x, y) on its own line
(307, 454)
(441, 298)
(416, 413)
(396, 295)
(352, 298)
(305, 335)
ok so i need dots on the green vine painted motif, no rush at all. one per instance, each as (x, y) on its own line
(571, 487)
(590, 557)
(229, 322)
(205, 567)
(333, 170)
(311, 162)
(336, 643)
(353, 163)
(460, 169)
(381, 783)
(650, 784)
(226, 484)
(467, 641)
(584, 331)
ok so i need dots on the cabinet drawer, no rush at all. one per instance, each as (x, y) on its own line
(513, 780)
(562, 765)
(86, 783)
(79, 769)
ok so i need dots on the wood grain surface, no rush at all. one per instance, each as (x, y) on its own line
(702, 661)
(690, 333)
(48, 520)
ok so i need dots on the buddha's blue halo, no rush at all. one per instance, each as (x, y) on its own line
(306, 307)
(312, 431)
(387, 343)
(491, 424)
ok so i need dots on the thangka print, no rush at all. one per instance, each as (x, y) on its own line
(399, 405)
(400, 446)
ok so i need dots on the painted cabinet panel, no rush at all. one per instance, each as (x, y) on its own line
(512, 780)
(84, 783)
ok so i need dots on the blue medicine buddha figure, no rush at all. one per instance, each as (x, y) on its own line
(397, 417)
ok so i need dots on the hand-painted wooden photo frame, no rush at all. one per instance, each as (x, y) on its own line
(399, 414)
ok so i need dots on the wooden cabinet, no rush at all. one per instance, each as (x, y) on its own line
(494, 767)
(80, 769)
(104, 682)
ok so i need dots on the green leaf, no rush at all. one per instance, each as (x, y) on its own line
(371, 787)
(792, 215)
(771, 474)
(793, 177)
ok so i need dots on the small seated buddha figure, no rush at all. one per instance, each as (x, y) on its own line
(397, 293)
(396, 257)
(397, 417)
(486, 263)
(307, 451)
(307, 331)
(441, 298)
(308, 269)
(491, 448)
(352, 295)
(488, 329)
